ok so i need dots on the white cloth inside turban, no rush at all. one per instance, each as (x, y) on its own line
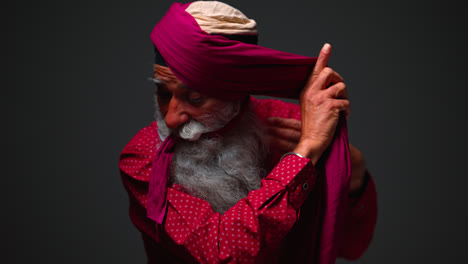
(215, 17)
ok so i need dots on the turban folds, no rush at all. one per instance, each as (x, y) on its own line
(222, 68)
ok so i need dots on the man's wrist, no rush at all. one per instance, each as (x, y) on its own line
(309, 150)
(291, 153)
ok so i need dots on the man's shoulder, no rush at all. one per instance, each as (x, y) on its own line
(143, 143)
(138, 154)
(146, 137)
(266, 108)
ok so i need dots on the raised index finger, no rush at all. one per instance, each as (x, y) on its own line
(320, 64)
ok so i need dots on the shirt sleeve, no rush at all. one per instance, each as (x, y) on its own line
(135, 163)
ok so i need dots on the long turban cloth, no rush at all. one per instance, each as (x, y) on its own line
(231, 70)
(222, 68)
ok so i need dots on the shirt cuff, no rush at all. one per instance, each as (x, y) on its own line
(297, 175)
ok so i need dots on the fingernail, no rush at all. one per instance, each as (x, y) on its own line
(326, 48)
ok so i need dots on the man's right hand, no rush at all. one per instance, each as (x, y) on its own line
(321, 100)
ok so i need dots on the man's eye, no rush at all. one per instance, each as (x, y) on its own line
(196, 98)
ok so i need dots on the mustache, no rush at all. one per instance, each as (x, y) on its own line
(192, 130)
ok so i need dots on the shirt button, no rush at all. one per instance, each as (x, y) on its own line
(305, 186)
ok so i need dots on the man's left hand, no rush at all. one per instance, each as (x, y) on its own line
(284, 133)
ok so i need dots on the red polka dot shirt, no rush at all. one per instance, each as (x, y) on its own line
(274, 224)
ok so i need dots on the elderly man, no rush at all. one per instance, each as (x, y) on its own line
(223, 177)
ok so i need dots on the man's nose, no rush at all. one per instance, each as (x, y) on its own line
(176, 113)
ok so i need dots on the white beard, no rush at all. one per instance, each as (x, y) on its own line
(220, 170)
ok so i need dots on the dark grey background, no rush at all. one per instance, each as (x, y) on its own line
(76, 91)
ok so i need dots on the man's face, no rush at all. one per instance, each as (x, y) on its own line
(179, 104)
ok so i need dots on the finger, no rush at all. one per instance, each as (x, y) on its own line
(320, 64)
(285, 133)
(327, 77)
(342, 105)
(337, 91)
(285, 122)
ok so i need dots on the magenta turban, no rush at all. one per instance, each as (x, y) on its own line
(222, 68)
